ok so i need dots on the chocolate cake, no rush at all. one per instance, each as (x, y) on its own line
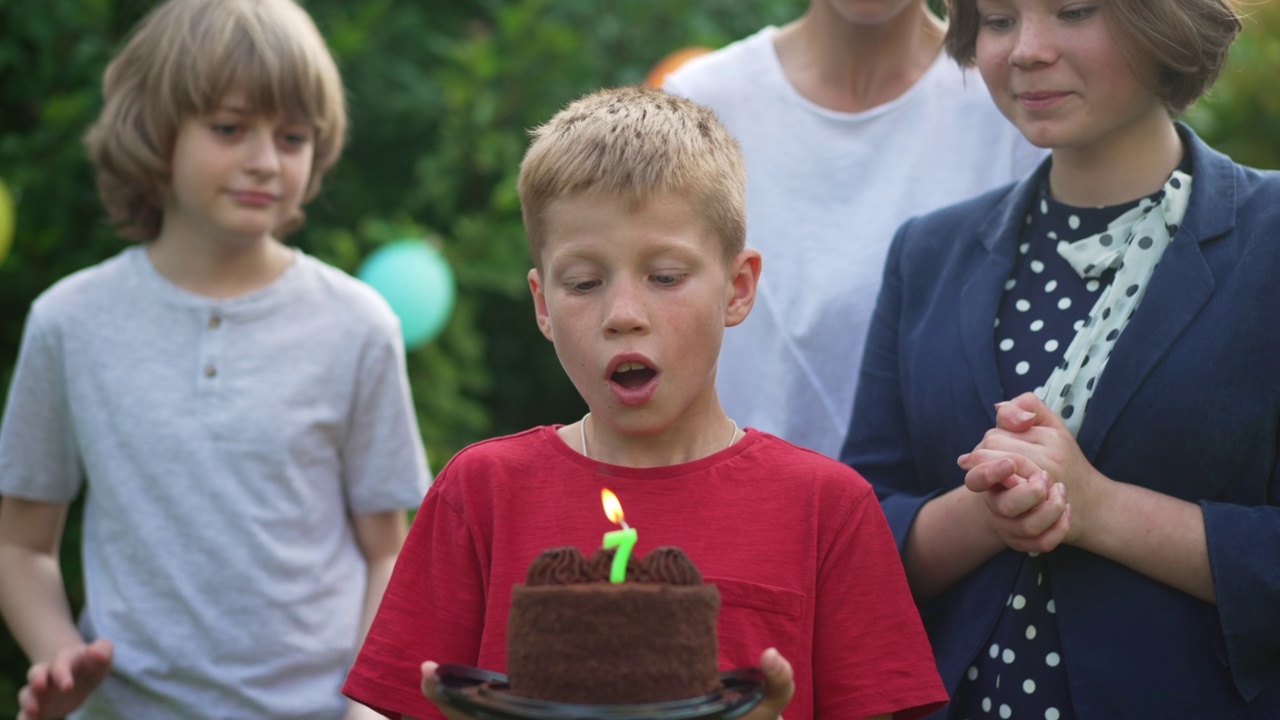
(574, 637)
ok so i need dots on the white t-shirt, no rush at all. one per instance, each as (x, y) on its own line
(825, 192)
(223, 446)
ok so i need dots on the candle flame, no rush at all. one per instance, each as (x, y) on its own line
(612, 508)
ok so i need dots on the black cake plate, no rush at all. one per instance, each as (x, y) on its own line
(484, 695)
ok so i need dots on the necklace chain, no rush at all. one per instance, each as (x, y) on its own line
(582, 432)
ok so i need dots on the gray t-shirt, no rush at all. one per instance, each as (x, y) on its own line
(224, 445)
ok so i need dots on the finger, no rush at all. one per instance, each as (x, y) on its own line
(38, 677)
(1013, 417)
(1038, 530)
(779, 680)
(27, 703)
(93, 661)
(990, 470)
(430, 682)
(1051, 538)
(1017, 501)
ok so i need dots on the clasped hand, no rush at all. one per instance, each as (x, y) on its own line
(1038, 487)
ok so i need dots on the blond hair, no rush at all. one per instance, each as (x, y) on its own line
(1188, 40)
(636, 143)
(179, 63)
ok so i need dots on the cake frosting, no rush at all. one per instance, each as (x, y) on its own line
(574, 637)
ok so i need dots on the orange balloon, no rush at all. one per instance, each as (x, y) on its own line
(670, 63)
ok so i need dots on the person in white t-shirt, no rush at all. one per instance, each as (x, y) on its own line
(852, 120)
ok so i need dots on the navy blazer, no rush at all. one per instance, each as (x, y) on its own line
(1188, 405)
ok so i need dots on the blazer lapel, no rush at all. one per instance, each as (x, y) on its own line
(1180, 287)
(981, 293)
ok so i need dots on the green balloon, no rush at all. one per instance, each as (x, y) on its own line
(417, 282)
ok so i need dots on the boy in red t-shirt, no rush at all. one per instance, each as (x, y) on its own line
(633, 202)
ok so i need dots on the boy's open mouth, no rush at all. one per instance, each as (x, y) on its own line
(632, 375)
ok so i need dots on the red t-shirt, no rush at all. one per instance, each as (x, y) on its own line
(795, 541)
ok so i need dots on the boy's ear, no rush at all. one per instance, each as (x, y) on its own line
(744, 275)
(540, 303)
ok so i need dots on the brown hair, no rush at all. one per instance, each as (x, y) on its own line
(179, 63)
(636, 143)
(1187, 39)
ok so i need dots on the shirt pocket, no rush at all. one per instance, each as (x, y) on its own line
(755, 616)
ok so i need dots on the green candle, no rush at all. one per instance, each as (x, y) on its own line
(624, 540)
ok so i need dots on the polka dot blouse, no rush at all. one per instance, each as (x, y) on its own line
(1020, 672)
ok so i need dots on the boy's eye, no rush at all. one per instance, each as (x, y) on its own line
(667, 279)
(296, 138)
(227, 130)
(582, 286)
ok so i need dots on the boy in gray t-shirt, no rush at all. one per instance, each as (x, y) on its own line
(237, 412)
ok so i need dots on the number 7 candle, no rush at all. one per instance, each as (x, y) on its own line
(623, 539)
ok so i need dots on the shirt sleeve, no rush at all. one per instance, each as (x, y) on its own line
(384, 463)
(1243, 556)
(871, 653)
(433, 609)
(39, 456)
(878, 444)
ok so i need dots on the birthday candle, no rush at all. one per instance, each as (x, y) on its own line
(624, 540)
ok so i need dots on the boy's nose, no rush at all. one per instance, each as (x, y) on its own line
(261, 154)
(626, 312)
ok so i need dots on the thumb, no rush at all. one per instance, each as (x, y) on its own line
(779, 681)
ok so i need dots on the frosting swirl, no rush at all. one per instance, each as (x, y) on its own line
(567, 566)
(558, 566)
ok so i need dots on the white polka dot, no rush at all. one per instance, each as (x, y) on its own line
(1024, 247)
(1092, 286)
(1005, 711)
(1019, 602)
(997, 323)
(1051, 607)
(994, 650)
(1039, 578)
(1028, 686)
(1010, 284)
(973, 673)
(1044, 206)
(1051, 286)
(1052, 659)
(1074, 222)
(1077, 325)
(986, 704)
(1051, 346)
(1022, 368)
(1053, 235)
(1037, 325)
(1033, 553)
(1031, 632)
(1052, 714)
(997, 681)
(1022, 305)
(1007, 656)
(1006, 344)
(1037, 266)
(1064, 303)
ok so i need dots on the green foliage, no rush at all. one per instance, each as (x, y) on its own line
(1241, 114)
